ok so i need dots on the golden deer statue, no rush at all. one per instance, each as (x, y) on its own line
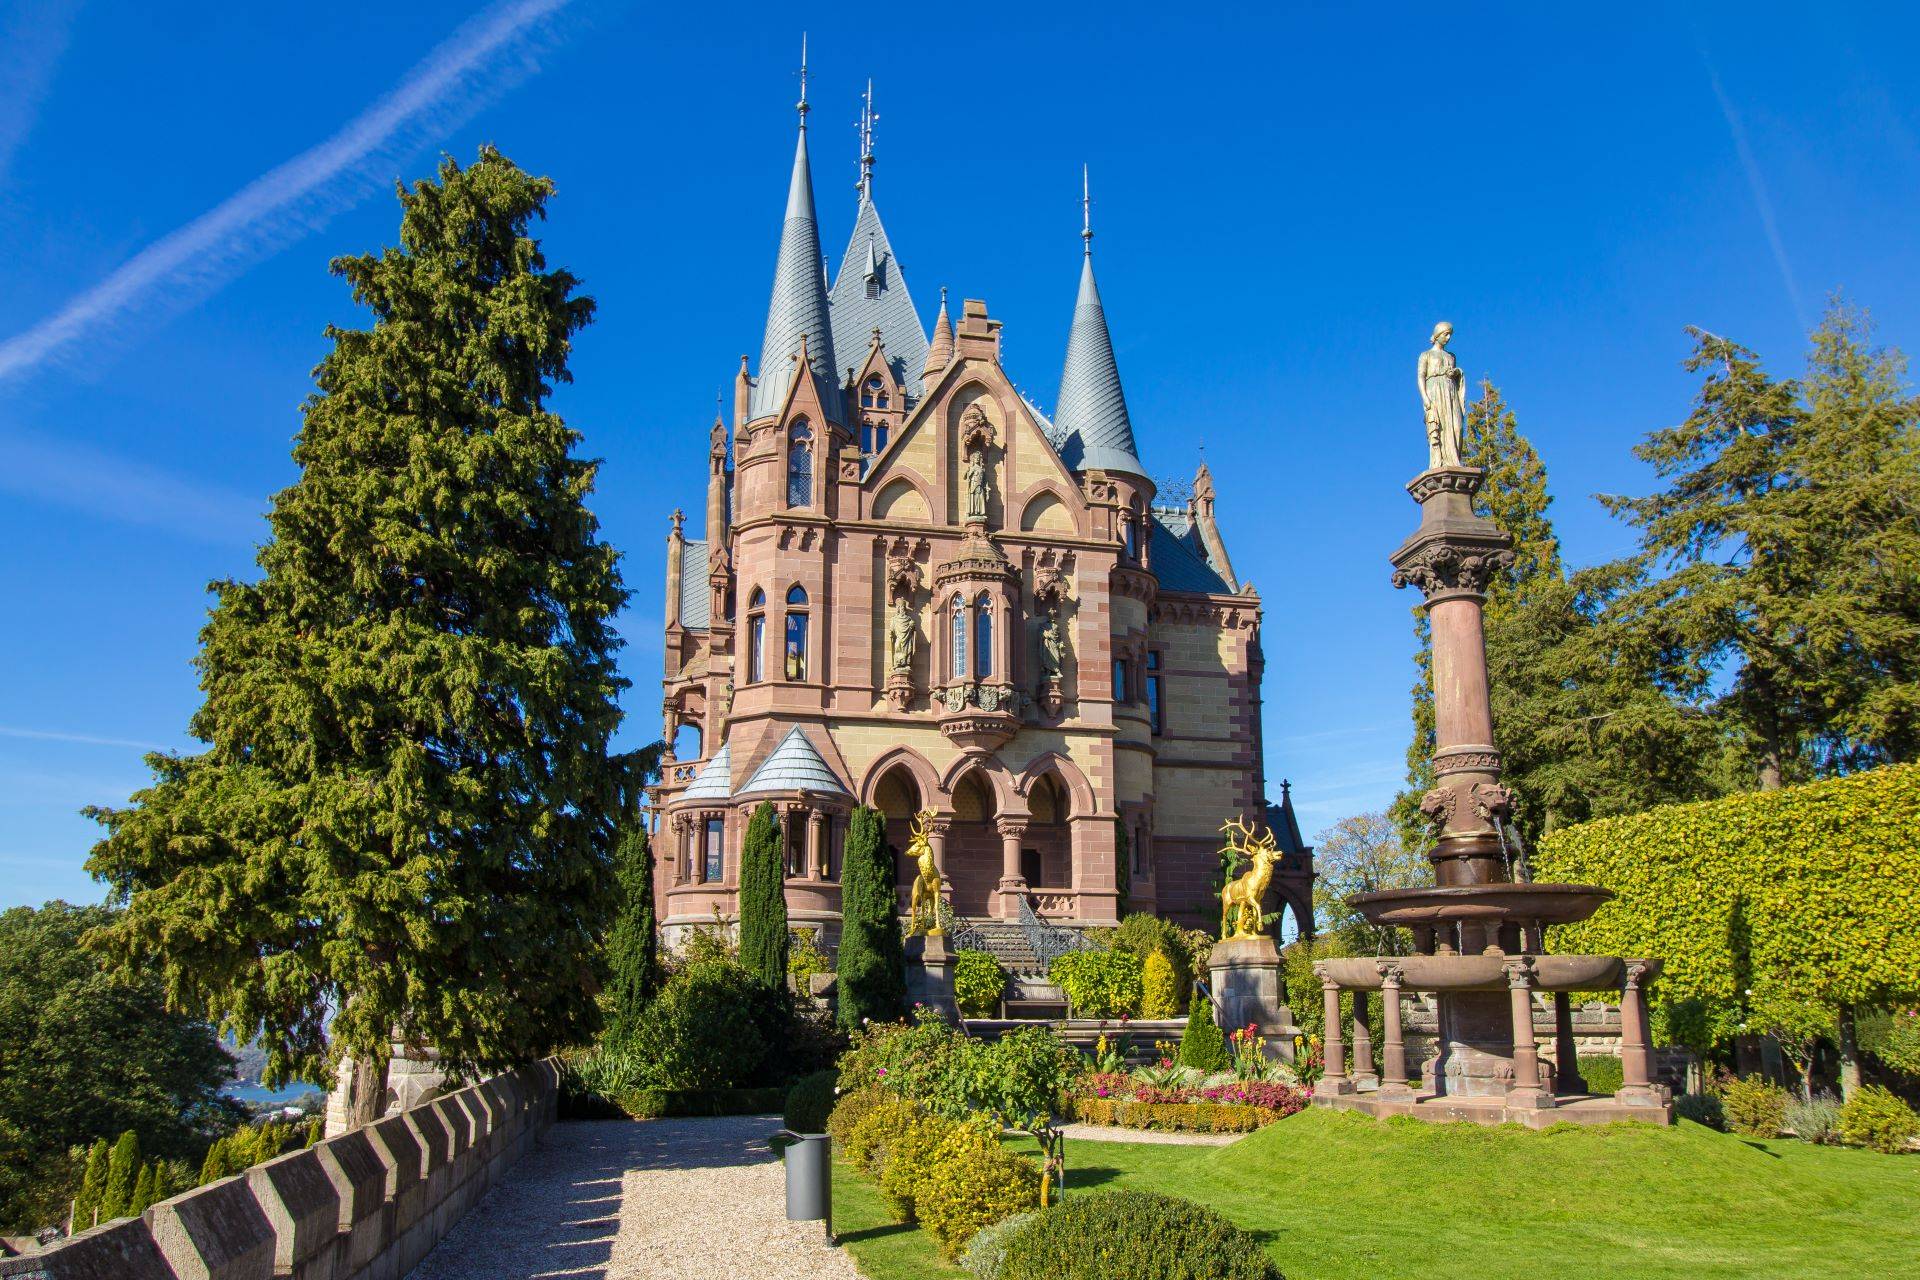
(924, 914)
(1240, 899)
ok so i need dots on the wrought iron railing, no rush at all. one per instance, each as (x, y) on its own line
(1048, 942)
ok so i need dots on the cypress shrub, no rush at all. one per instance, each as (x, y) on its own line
(763, 901)
(1202, 1045)
(144, 1192)
(870, 975)
(123, 1170)
(1160, 988)
(632, 946)
(93, 1185)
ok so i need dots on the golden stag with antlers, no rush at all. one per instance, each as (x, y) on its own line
(1240, 900)
(924, 914)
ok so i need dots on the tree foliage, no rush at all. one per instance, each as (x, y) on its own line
(1770, 911)
(763, 900)
(1363, 854)
(400, 821)
(633, 960)
(870, 971)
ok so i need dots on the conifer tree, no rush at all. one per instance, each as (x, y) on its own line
(399, 824)
(870, 970)
(93, 1185)
(143, 1191)
(123, 1173)
(763, 901)
(632, 947)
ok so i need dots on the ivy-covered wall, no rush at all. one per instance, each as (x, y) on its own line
(1771, 910)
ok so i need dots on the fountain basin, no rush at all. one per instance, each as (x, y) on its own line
(1480, 973)
(1484, 904)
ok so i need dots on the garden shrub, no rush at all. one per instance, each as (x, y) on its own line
(763, 900)
(1159, 987)
(1132, 1235)
(1602, 1072)
(1754, 1107)
(1180, 1117)
(978, 981)
(805, 959)
(1876, 1117)
(911, 1059)
(1022, 1076)
(851, 1108)
(870, 980)
(1142, 934)
(1815, 1119)
(810, 1102)
(986, 1253)
(1099, 984)
(712, 1026)
(883, 1123)
(1701, 1108)
(972, 1182)
(1203, 1046)
(1893, 1036)
(651, 1104)
(908, 1159)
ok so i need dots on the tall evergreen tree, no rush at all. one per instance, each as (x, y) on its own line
(93, 1185)
(633, 946)
(399, 824)
(870, 971)
(763, 901)
(123, 1174)
(143, 1190)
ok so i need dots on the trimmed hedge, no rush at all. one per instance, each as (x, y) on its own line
(1100, 984)
(1178, 1117)
(1771, 909)
(1132, 1235)
(651, 1104)
(810, 1102)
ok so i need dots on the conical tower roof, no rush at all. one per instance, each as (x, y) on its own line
(1092, 410)
(871, 293)
(940, 351)
(799, 304)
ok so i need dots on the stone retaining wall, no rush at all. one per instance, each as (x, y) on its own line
(367, 1205)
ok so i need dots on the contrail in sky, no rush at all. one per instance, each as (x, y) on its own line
(32, 40)
(471, 68)
(1762, 201)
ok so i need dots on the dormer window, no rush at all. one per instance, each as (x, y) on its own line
(874, 394)
(873, 286)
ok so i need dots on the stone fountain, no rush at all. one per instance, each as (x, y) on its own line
(1479, 933)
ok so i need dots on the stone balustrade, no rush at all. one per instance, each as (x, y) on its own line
(367, 1205)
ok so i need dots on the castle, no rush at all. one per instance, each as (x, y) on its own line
(919, 592)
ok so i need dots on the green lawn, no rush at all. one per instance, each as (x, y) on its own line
(1333, 1195)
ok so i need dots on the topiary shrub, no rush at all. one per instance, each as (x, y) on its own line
(908, 1160)
(763, 900)
(1142, 934)
(870, 976)
(986, 1253)
(869, 1138)
(711, 1027)
(1099, 984)
(978, 981)
(810, 1102)
(1203, 1046)
(1159, 987)
(1876, 1117)
(1815, 1119)
(972, 1182)
(1754, 1107)
(851, 1108)
(1132, 1235)
(1701, 1108)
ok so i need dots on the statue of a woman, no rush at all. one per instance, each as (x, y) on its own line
(902, 634)
(1443, 395)
(1052, 649)
(976, 479)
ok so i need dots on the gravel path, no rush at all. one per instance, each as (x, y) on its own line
(641, 1200)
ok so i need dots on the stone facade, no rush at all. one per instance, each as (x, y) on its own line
(961, 606)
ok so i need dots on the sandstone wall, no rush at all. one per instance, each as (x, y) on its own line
(367, 1205)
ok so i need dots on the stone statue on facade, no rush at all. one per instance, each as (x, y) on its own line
(1443, 397)
(903, 633)
(976, 481)
(1053, 649)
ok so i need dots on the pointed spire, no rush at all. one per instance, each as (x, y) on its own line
(870, 291)
(867, 120)
(940, 354)
(797, 315)
(1092, 410)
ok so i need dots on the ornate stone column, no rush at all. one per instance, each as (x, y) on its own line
(1636, 1078)
(1363, 1072)
(1012, 884)
(1393, 1050)
(817, 844)
(1527, 1090)
(1333, 1075)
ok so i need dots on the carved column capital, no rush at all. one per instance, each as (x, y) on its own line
(1012, 828)
(1391, 975)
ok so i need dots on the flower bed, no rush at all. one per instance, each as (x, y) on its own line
(1179, 1117)
(1150, 1100)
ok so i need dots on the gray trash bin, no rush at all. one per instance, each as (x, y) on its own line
(809, 1160)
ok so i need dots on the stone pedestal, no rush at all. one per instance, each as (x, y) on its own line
(930, 974)
(1247, 988)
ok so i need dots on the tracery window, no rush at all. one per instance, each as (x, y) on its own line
(800, 465)
(756, 636)
(959, 637)
(796, 651)
(983, 637)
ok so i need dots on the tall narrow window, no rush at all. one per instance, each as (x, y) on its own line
(983, 637)
(800, 465)
(959, 638)
(756, 636)
(1154, 713)
(1120, 680)
(716, 853)
(797, 633)
(1133, 551)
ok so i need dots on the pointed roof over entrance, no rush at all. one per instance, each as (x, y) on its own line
(799, 304)
(794, 766)
(1092, 410)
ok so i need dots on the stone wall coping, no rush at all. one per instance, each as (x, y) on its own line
(398, 1148)
(358, 1177)
(119, 1250)
(429, 1127)
(301, 1205)
(215, 1232)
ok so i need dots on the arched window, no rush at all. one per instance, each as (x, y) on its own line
(800, 465)
(796, 659)
(874, 394)
(756, 636)
(983, 637)
(959, 637)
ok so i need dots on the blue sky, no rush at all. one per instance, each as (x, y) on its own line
(1285, 200)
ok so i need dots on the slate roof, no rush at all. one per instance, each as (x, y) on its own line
(799, 304)
(794, 766)
(1092, 410)
(715, 779)
(695, 596)
(1176, 562)
(856, 316)
(1284, 826)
